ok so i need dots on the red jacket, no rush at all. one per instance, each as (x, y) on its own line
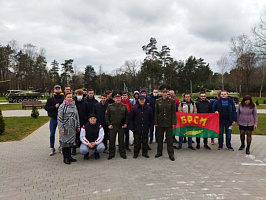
(128, 103)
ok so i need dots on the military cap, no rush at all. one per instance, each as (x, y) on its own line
(116, 93)
(164, 88)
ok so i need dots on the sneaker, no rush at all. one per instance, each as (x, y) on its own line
(59, 149)
(128, 149)
(151, 142)
(230, 148)
(178, 147)
(175, 141)
(212, 141)
(106, 151)
(198, 146)
(86, 156)
(96, 156)
(149, 148)
(219, 148)
(191, 147)
(207, 147)
(52, 152)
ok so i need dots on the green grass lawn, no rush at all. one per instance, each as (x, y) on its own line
(254, 99)
(261, 130)
(18, 128)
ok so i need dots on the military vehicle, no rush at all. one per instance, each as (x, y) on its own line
(24, 95)
(212, 95)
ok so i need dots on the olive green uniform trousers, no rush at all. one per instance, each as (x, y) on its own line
(169, 139)
(113, 133)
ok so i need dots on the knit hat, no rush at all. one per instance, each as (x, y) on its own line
(92, 115)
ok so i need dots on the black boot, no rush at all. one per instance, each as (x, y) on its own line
(65, 154)
(69, 155)
(74, 150)
(247, 150)
(242, 147)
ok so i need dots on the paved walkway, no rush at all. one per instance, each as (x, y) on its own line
(28, 172)
(22, 113)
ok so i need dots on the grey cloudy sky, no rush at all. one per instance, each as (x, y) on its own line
(110, 32)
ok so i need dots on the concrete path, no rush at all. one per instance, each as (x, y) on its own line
(28, 172)
(22, 113)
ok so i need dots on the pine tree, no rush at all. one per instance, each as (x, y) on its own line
(2, 123)
(35, 112)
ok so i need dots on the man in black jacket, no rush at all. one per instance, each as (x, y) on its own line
(51, 107)
(203, 106)
(153, 97)
(141, 122)
(99, 111)
(84, 110)
(90, 98)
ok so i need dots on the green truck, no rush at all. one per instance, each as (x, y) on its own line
(212, 95)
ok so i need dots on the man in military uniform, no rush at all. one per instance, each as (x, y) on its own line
(116, 118)
(165, 119)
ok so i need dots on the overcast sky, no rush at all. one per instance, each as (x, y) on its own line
(110, 32)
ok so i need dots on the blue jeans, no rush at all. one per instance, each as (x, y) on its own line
(189, 141)
(224, 125)
(53, 125)
(156, 133)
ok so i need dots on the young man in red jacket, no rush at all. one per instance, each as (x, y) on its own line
(126, 101)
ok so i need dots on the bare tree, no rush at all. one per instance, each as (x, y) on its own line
(259, 32)
(223, 66)
(246, 63)
(262, 73)
(244, 58)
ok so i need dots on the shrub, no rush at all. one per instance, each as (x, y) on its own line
(264, 101)
(35, 113)
(2, 123)
(257, 102)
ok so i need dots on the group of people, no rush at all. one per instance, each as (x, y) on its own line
(88, 124)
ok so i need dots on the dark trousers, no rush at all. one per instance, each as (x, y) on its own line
(121, 134)
(106, 135)
(169, 139)
(141, 140)
(205, 140)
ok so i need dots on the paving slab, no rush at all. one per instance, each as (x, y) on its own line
(28, 172)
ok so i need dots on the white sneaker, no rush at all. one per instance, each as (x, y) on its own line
(52, 152)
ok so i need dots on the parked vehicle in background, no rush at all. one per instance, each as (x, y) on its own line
(212, 95)
(17, 96)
